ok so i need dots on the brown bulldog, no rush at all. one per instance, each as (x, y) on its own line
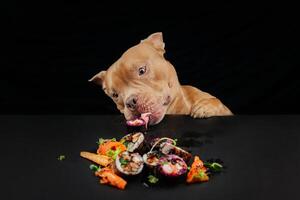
(142, 80)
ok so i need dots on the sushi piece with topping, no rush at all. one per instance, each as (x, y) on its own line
(168, 148)
(157, 142)
(152, 142)
(151, 159)
(129, 163)
(172, 166)
(133, 141)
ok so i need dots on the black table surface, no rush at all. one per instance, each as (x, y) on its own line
(261, 154)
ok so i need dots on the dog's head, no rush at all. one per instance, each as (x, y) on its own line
(141, 80)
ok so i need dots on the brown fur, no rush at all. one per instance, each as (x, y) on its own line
(158, 90)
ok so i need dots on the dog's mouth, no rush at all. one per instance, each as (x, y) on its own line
(154, 119)
(151, 117)
(148, 118)
(143, 120)
(157, 112)
(156, 109)
(156, 115)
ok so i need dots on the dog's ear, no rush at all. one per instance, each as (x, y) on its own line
(156, 40)
(98, 78)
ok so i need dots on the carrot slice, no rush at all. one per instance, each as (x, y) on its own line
(197, 172)
(107, 176)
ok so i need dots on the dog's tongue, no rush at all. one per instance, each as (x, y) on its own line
(145, 118)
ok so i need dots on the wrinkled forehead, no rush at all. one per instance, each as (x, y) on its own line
(123, 70)
(115, 77)
(139, 52)
(119, 74)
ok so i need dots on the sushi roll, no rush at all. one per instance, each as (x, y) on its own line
(133, 142)
(156, 143)
(168, 148)
(151, 159)
(172, 166)
(129, 163)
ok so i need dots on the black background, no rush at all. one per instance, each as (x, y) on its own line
(246, 55)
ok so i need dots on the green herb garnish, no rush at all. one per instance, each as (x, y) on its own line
(201, 174)
(214, 167)
(100, 141)
(152, 179)
(95, 168)
(61, 157)
(188, 168)
(175, 141)
(123, 161)
(110, 153)
(113, 154)
(126, 142)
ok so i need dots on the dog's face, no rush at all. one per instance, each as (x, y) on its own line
(141, 80)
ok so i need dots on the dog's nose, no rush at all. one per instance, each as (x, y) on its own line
(131, 102)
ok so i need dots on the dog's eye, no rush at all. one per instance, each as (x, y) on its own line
(115, 95)
(142, 70)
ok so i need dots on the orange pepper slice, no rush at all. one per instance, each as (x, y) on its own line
(197, 172)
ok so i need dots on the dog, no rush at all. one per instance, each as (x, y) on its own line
(143, 81)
